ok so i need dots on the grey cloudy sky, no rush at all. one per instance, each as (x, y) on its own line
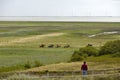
(59, 7)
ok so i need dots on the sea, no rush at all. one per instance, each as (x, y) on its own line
(62, 18)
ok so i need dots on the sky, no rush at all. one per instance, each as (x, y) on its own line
(59, 7)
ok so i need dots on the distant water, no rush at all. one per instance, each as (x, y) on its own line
(104, 33)
(62, 18)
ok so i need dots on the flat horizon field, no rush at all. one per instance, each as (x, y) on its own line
(20, 41)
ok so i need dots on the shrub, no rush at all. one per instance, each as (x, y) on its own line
(110, 47)
(27, 65)
(88, 51)
(76, 57)
(84, 52)
(37, 64)
(116, 54)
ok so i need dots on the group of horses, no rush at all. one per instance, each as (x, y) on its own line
(53, 46)
(57, 45)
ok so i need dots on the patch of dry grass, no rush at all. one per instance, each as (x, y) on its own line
(75, 66)
(30, 39)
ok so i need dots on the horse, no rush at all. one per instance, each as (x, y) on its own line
(42, 46)
(89, 45)
(51, 46)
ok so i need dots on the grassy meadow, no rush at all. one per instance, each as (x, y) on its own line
(19, 42)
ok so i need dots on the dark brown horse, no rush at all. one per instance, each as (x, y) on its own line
(89, 45)
(42, 46)
(51, 46)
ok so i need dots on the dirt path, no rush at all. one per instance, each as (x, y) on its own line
(30, 39)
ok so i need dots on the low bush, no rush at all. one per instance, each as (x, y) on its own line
(76, 57)
(88, 51)
(27, 65)
(84, 52)
(37, 64)
(116, 54)
(110, 47)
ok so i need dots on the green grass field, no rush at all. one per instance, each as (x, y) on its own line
(19, 41)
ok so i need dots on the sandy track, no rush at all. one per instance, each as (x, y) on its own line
(30, 39)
